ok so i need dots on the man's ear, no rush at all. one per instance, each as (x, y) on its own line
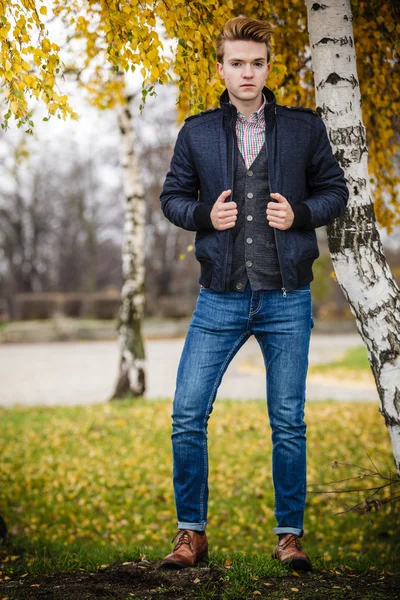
(220, 69)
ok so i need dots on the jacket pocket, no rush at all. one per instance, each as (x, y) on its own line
(302, 244)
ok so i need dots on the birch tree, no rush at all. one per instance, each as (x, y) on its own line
(354, 241)
(131, 376)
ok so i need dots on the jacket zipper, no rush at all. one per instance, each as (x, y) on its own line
(226, 286)
(276, 239)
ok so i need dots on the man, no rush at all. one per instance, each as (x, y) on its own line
(254, 180)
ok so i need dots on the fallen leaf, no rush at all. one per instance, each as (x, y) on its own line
(294, 589)
(197, 580)
(295, 573)
(268, 584)
(227, 563)
(256, 593)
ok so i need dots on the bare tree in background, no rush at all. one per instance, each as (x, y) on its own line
(131, 381)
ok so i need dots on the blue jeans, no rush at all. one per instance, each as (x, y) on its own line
(221, 324)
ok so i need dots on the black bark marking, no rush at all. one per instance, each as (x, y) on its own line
(355, 190)
(334, 78)
(341, 158)
(397, 400)
(355, 229)
(343, 41)
(359, 181)
(317, 6)
(324, 110)
(337, 55)
(351, 136)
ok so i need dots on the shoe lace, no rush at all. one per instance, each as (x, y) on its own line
(184, 538)
(291, 541)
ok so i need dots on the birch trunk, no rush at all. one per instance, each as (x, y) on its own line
(354, 241)
(131, 377)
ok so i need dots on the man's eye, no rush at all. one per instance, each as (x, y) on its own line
(235, 64)
(259, 64)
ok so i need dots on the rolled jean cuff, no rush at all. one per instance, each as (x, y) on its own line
(294, 530)
(192, 526)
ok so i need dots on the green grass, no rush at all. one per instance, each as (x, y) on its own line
(85, 486)
(354, 359)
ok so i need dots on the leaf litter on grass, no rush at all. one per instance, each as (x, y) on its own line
(89, 483)
(129, 581)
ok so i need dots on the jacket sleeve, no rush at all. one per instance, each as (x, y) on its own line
(179, 197)
(326, 183)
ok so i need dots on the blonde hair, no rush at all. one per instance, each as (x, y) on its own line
(244, 28)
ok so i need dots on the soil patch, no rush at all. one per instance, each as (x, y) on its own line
(145, 580)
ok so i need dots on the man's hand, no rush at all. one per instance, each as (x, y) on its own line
(223, 214)
(280, 214)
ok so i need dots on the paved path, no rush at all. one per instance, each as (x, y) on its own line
(84, 372)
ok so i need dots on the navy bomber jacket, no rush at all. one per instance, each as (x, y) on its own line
(301, 167)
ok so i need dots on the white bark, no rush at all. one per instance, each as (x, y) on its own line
(354, 241)
(131, 378)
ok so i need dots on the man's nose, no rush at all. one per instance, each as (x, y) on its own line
(248, 71)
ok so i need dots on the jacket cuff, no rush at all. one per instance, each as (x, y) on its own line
(302, 216)
(201, 216)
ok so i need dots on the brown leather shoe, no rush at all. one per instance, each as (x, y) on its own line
(190, 549)
(289, 551)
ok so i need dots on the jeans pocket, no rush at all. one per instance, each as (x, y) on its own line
(302, 289)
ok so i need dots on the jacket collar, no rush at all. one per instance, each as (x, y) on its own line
(230, 109)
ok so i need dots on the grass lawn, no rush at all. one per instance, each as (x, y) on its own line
(86, 486)
(353, 360)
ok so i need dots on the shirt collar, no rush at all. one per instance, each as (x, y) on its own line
(255, 116)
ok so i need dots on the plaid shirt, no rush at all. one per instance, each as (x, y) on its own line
(251, 134)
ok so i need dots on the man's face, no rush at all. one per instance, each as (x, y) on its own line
(244, 68)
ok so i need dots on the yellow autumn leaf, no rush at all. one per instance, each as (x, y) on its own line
(152, 54)
(43, 10)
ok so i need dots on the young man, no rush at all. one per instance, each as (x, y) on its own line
(254, 180)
